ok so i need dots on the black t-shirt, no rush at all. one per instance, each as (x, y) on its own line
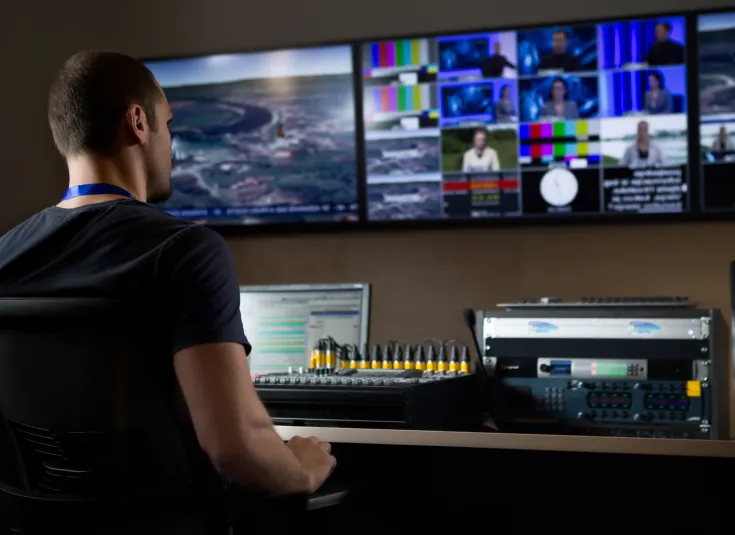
(493, 66)
(129, 251)
(665, 53)
(560, 62)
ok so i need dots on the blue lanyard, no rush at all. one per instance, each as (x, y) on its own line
(95, 189)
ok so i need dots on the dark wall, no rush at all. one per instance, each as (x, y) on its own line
(422, 279)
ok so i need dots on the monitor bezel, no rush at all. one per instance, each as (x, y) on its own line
(363, 287)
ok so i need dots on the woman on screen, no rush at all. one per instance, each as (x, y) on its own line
(504, 110)
(642, 153)
(657, 98)
(558, 107)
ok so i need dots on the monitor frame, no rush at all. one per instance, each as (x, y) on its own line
(363, 287)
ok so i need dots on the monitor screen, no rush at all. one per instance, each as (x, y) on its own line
(587, 119)
(284, 323)
(264, 137)
(717, 110)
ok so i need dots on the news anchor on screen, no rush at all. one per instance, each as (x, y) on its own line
(505, 112)
(494, 65)
(642, 153)
(559, 59)
(480, 158)
(664, 51)
(558, 106)
(722, 143)
(657, 98)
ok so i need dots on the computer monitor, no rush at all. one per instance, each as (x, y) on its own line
(284, 323)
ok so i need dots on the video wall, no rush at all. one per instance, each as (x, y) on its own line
(264, 137)
(578, 120)
(557, 121)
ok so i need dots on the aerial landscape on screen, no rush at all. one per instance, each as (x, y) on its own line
(262, 137)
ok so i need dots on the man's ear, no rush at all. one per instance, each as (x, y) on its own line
(136, 123)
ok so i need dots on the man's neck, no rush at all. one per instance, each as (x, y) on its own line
(84, 170)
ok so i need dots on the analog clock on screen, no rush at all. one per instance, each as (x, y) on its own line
(559, 187)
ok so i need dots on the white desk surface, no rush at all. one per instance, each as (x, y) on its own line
(513, 441)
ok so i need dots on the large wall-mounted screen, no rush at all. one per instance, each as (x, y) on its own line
(587, 119)
(717, 111)
(263, 138)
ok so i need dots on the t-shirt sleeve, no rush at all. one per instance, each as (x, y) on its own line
(202, 292)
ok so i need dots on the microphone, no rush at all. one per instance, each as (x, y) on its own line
(470, 321)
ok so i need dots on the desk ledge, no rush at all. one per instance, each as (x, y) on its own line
(513, 441)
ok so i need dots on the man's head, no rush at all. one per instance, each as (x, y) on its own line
(104, 105)
(643, 132)
(559, 42)
(662, 31)
(497, 48)
(479, 140)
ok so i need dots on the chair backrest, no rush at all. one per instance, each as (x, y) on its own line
(87, 400)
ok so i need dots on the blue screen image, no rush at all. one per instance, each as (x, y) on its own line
(624, 92)
(463, 53)
(474, 100)
(534, 45)
(534, 93)
(624, 43)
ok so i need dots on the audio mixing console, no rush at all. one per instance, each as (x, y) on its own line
(392, 386)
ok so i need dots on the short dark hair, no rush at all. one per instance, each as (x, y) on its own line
(89, 96)
(665, 24)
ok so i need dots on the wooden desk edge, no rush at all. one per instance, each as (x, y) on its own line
(512, 441)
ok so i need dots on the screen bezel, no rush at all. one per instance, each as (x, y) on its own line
(362, 287)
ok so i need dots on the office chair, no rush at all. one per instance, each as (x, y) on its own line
(93, 438)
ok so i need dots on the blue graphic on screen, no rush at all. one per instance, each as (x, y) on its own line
(631, 92)
(464, 53)
(475, 101)
(535, 94)
(629, 43)
(534, 46)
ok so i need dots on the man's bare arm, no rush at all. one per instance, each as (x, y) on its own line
(232, 425)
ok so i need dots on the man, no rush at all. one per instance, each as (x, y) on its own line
(664, 51)
(642, 153)
(494, 65)
(109, 116)
(559, 59)
(480, 158)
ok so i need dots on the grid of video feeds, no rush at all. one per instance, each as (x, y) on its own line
(263, 137)
(584, 119)
(717, 110)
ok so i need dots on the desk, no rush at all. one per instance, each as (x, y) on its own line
(513, 441)
(497, 479)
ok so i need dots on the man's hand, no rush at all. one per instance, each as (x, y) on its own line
(314, 456)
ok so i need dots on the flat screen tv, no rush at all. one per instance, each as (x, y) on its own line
(716, 33)
(262, 138)
(561, 121)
